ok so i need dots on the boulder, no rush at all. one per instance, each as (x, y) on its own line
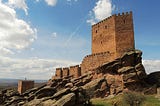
(69, 85)
(49, 102)
(127, 69)
(66, 100)
(45, 92)
(35, 102)
(60, 93)
(92, 86)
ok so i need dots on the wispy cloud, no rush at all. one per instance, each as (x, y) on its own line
(102, 10)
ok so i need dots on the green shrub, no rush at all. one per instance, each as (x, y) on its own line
(133, 98)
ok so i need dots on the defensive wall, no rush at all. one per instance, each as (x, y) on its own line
(72, 71)
(91, 62)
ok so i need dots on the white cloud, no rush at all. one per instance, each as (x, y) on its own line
(151, 65)
(34, 68)
(102, 10)
(37, 0)
(15, 34)
(51, 2)
(54, 35)
(5, 51)
(21, 4)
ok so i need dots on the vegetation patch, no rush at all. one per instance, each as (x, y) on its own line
(127, 99)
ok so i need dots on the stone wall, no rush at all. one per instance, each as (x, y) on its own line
(75, 71)
(58, 73)
(124, 33)
(24, 85)
(103, 36)
(65, 72)
(72, 71)
(91, 62)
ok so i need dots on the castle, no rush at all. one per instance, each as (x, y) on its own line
(111, 38)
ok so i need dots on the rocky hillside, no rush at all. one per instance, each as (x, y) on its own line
(123, 74)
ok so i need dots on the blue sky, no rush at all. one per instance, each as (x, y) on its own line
(36, 36)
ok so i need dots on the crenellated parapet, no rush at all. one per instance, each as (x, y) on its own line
(73, 71)
(65, 72)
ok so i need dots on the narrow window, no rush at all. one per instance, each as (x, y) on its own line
(96, 31)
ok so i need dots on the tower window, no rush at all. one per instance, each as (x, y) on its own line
(106, 27)
(96, 31)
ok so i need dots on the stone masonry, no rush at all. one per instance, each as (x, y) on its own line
(111, 38)
(72, 71)
(65, 72)
(24, 85)
(75, 71)
(59, 73)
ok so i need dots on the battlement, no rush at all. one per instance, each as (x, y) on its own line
(113, 16)
(74, 66)
(74, 71)
(91, 55)
(59, 68)
(123, 14)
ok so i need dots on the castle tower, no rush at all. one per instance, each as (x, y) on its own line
(24, 85)
(114, 35)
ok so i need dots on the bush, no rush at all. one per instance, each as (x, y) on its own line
(133, 98)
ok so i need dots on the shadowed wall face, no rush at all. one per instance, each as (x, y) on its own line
(24, 85)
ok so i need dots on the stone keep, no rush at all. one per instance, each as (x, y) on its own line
(111, 38)
(114, 35)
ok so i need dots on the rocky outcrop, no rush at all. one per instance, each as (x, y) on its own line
(154, 78)
(125, 73)
(64, 93)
